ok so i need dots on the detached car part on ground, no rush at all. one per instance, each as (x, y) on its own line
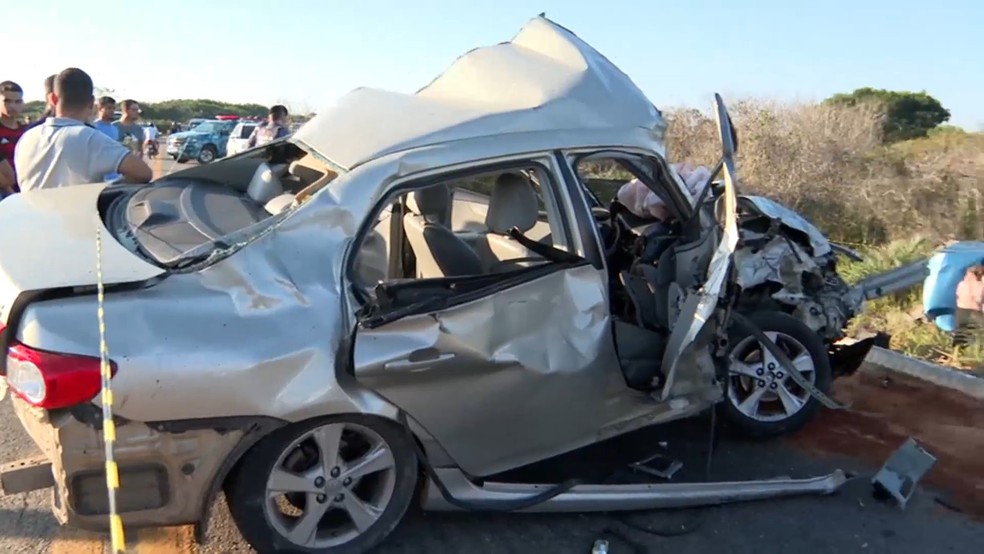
(310, 324)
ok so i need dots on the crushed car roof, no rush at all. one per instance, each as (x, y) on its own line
(545, 80)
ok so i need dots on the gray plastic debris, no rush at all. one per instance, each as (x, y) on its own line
(600, 547)
(898, 477)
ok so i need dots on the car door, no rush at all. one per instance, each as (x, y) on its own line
(701, 303)
(702, 256)
(500, 369)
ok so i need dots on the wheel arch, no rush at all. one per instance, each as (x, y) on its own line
(262, 428)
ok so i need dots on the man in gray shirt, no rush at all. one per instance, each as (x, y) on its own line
(65, 151)
(131, 133)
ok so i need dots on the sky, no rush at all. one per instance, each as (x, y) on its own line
(307, 53)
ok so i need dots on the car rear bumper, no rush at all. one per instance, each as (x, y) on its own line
(166, 478)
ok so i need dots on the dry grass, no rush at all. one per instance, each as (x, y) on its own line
(828, 163)
(901, 315)
(895, 202)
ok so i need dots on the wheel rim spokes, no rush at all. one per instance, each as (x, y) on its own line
(759, 387)
(341, 482)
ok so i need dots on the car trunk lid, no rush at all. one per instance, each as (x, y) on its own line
(49, 242)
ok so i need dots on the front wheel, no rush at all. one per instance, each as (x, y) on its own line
(207, 154)
(761, 400)
(339, 484)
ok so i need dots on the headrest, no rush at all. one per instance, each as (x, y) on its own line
(431, 202)
(264, 185)
(513, 204)
(306, 174)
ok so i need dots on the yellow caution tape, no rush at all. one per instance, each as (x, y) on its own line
(108, 425)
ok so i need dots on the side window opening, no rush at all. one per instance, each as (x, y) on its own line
(487, 223)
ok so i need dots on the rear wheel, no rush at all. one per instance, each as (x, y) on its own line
(339, 484)
(762, 401)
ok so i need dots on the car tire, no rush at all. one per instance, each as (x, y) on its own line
(181, 160)
(207, 154)
(265, 528)
(782, 407)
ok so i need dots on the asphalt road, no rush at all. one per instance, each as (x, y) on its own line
(164, 165)
(849, 521)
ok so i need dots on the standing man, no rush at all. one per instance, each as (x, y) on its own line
(270, 130)
(131, 134)
(11, 128)
(105, 112)
(66, 151)
(49, 108)
(7, 180)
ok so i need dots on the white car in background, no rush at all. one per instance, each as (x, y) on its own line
(239, 138)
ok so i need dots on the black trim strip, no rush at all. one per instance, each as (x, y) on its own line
(497, 283)
(585, 224)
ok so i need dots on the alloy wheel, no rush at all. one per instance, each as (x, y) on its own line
(759, 387)
(330, 485)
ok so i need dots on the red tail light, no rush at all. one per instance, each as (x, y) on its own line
(50, 380)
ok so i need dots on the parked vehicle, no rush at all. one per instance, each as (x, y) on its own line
(411, 287)
(239, 138)
(205, 142)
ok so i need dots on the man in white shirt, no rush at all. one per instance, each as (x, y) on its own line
(150, 133)
(150, 139)
(65, 151)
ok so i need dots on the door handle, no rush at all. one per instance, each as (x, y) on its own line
(408, 364)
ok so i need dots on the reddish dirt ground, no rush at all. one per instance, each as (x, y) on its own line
(887, 409)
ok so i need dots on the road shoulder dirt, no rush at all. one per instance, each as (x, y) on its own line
(886, 409)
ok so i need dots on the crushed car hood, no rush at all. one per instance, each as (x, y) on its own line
(772, 209)
(545, 79)
(794, 262)
(50, 242)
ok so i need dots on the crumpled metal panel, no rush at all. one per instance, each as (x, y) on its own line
(775, 210)
(700, 305)
(54, 227)
(785, 262)
(508, 379)
(557, 83)
(780, 261)
(256, 333)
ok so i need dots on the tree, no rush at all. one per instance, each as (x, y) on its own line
(907, 114)
(103, 91)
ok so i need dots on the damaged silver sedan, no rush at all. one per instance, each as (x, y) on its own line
(410, 287)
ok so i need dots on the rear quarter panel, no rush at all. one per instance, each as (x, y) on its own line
(252, 335)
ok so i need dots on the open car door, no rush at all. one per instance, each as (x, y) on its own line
(500, 369)
(699, 305)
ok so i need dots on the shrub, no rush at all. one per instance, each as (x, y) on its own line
(827, 161)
